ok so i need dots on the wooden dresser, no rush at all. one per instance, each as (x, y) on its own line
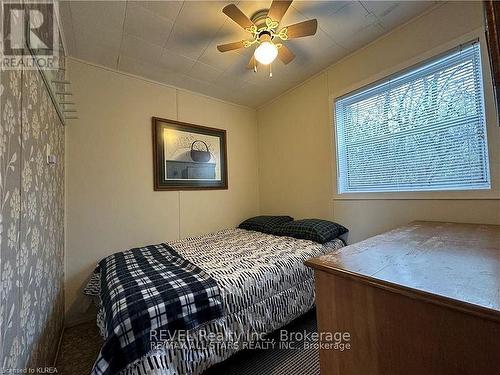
(421, 299)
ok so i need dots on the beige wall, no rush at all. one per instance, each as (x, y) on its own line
(296, 148)
(111, 204)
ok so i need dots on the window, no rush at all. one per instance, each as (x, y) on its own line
(420, 130)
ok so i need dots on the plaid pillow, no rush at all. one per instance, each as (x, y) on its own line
(264, 224)
(311, 229)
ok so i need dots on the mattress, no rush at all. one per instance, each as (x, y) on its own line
(263, 283)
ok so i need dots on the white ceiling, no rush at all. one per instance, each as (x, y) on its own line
(174, 42)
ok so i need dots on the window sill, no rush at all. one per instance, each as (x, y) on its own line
(441, 195)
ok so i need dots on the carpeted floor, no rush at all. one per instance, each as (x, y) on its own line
(79, 348)
(81, 345)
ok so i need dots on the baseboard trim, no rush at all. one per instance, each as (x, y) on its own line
(59, 344)
(80, 320)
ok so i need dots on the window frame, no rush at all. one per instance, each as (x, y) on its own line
(491, 125)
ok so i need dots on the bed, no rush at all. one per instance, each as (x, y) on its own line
(245, 283)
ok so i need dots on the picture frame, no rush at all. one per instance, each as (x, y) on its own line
(188, 156)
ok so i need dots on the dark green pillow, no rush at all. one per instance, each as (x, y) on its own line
(264, 224)
(311, 229)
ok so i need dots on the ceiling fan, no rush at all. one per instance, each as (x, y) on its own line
(263, 27)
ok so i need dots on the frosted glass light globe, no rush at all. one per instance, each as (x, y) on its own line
(266, 53)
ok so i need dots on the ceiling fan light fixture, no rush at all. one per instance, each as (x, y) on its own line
(264, 27)
(265, 53)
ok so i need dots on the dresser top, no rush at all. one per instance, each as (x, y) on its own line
(448, 263)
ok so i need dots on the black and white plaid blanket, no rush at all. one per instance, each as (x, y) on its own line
(147, 289)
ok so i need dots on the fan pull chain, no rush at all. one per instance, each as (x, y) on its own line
(270, 71)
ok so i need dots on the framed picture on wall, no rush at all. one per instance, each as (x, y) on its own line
(188, 156)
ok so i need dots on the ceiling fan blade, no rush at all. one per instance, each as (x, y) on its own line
(278, 9)
(285, 54)
(230, 46)
(301, 29)
(252, 63)
(233, 12)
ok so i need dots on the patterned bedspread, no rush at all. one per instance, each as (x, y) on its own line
(147, 290)
(263, 283)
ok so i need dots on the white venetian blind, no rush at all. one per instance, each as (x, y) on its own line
(419, 130)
